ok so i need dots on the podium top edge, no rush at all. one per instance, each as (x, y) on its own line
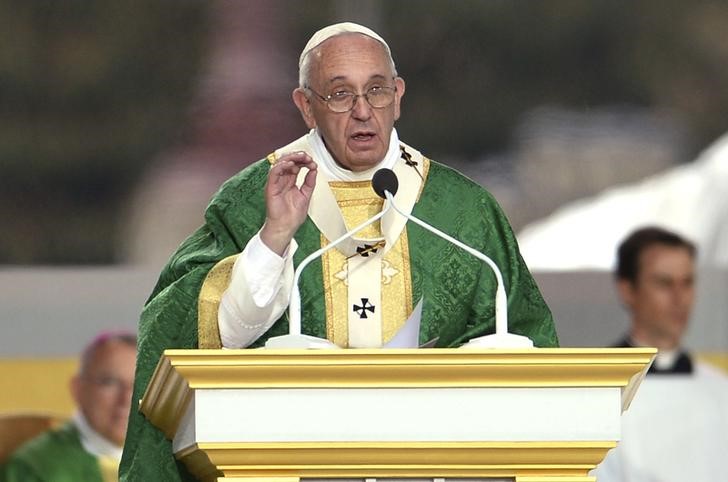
(410, 351)
(421, 355)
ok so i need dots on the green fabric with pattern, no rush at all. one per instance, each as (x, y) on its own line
(53, 456)
(458, 289)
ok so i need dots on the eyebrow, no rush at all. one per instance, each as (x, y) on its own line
(339, 78)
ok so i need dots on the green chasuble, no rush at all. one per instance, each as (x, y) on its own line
(458, 290)
(54, 456)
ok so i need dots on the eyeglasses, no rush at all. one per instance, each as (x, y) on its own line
(110, 383)
(339, 102)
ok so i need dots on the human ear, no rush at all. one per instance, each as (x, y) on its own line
(399, 83)
(304, 107)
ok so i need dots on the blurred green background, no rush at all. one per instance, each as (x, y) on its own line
(94, 93)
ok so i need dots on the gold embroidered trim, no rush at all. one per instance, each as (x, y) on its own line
(337, 320)
(215, 284)
(397, 289)
(407, 271)
(425, 172)
(352, 185)
(357, 204)
(396, 300)
(345, 203)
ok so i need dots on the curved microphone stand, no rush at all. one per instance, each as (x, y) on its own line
(385, 183)
(294, 338)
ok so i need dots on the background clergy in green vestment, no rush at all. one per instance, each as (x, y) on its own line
(88, 447)
(266, 219)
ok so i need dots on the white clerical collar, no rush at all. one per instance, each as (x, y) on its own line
(334, 171)
(94, 442)
(664, 360)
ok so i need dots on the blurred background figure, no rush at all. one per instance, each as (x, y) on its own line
(88, 447)
(656, 284)
(677, 426)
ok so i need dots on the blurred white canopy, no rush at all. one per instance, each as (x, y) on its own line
(691, 199)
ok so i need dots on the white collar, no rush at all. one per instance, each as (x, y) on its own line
(94, 442)
(665, 359)
(325, 161)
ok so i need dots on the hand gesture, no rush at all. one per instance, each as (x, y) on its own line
(287, 204)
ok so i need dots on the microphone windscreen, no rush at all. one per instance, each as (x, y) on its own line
(385, 180)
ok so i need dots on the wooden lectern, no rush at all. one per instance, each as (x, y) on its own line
(526, 415)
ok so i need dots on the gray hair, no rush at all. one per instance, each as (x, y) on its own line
(304, 61)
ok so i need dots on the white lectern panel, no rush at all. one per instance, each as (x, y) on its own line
(384, 414)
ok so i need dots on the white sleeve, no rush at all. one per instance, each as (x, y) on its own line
(258, 293)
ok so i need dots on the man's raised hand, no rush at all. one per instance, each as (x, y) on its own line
(286, 203)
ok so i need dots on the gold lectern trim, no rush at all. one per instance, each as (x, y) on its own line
(394, 459)
(165, 398)
(181, 371)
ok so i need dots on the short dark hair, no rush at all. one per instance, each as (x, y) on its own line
(629, 251)
(102, 339)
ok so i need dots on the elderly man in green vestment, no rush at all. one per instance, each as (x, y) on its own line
(228, 285)
(88, 447)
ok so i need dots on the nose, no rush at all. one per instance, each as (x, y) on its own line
(362, 110)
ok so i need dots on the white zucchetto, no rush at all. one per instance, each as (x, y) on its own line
(337, 29)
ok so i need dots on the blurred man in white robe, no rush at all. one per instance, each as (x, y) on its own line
(677, 426)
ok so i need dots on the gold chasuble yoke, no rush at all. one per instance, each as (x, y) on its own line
(360, 312)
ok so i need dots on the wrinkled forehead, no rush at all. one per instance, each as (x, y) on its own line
(352, 59)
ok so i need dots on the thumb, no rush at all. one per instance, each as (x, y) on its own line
(309, 183)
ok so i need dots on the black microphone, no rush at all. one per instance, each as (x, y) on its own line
(385, 180)
(385, 184)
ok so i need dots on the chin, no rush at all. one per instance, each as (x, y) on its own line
(364, 164)
(363, 160)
